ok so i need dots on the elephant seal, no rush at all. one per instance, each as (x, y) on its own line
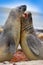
(9, 38)
(30, 43)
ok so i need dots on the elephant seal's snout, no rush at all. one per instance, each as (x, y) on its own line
(23, 7)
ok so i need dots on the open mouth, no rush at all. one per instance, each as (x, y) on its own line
(25, 15)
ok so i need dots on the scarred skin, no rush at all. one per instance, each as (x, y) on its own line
(9, 38)
(31, 45)
(19, 56)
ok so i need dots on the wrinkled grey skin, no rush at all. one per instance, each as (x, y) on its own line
(33, 42)
(11, 32)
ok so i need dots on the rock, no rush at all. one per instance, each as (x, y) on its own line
(34, 62)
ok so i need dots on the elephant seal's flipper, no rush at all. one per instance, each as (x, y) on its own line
(34, 44)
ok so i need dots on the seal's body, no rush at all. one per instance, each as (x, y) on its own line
(30, 44)
(9, 38)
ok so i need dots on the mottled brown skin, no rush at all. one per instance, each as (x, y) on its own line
(9, 38)
(30, 44)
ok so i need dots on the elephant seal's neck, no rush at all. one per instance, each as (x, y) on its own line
(27, 26)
